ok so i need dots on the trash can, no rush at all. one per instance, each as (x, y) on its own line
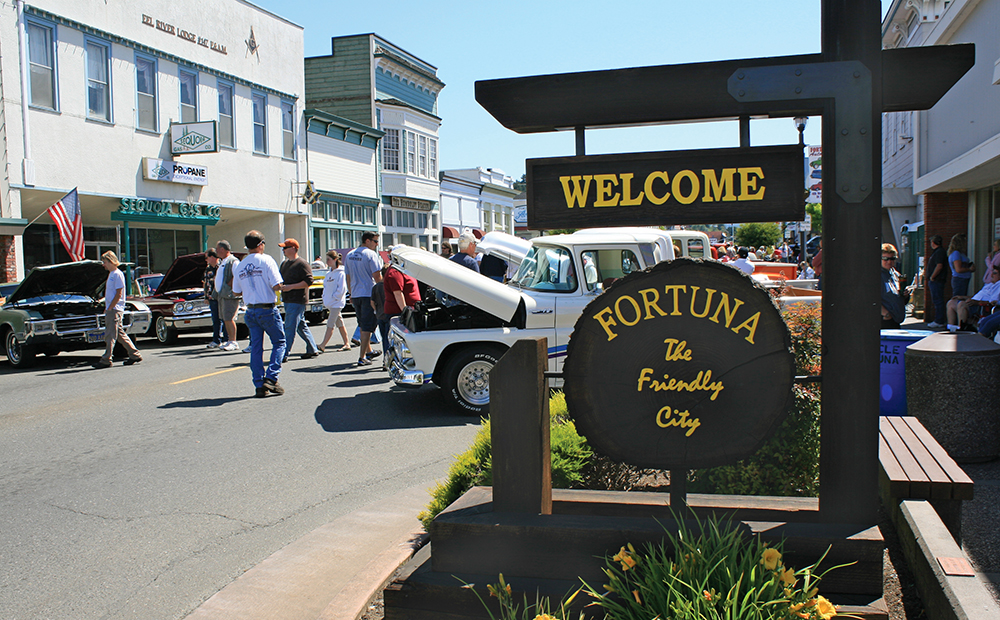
(951, 381)
(892, 373)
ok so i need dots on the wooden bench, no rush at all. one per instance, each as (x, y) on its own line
(913, 465)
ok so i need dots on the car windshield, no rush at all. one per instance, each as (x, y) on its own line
(147, 286)
(55, 297)
(547, 268)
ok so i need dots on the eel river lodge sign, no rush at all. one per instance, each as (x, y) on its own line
(692, 357)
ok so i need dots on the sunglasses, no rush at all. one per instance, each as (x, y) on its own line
(889, 258)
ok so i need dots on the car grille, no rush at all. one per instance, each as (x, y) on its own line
(315, 293)
(78, 324)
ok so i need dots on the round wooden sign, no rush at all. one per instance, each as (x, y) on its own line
(685, 365)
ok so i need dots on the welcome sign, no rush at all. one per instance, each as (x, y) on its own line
(762, 184)
(686, 365)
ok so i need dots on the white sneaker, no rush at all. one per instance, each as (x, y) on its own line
(952, 328)
(935, 325)
(230, 346)
(213, 345)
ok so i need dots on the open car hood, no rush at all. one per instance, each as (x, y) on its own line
(85, 277)
(458, 281)
(504, 246)
(185, 272)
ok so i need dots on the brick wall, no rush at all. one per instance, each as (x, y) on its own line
(945, 214)
(7, 259)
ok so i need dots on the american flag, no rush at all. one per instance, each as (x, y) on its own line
(69, 221)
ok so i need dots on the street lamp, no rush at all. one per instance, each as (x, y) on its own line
(800, 124)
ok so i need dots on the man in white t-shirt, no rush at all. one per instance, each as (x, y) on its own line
(363, 267)
(742, 263)
(114, 306)
(257, 278)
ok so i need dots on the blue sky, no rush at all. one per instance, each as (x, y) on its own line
(471, 41)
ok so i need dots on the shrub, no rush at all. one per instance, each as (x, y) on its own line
(474, 467)
(756, 234)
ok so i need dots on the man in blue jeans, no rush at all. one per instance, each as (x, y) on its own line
(257, 278)
(218, 336)
(935, 275)
(297, 276)
(363, 267)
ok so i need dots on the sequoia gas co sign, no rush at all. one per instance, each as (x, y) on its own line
(760, 184)
(685, 365)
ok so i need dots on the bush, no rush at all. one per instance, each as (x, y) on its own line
(788, 464)
(756, 234)
(474, 467)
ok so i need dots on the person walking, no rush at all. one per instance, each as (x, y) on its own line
(114, 306)
(257, 278)
(363, 267)
(936, 275)
(297, 276)
(467, 251)
(229, 301)
(961, 266)
(335, 298)
(817, 265)
(893, 304)
(212, 295)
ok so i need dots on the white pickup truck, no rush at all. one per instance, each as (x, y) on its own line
(458, 333)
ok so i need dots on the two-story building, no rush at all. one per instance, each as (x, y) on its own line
(480, 199)
(179, 124)
(942, 166)
(374, 83)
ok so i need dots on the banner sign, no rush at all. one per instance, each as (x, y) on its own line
(760, 184)
(814, 178)
(173, 172)
(412, 203)
(685, 365)
(193, 138)
(156, 210)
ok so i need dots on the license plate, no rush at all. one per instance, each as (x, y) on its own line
(317, 308)
(93, 337)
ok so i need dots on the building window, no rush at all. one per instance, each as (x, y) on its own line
(227, 136)
(319, 210)
(390, 150)
(189, 96)
(411, 154)
(259, 123)
(369, 215)
(387, 217)
(287, 130)
(423, 155)
(433, 158)
(42, 65)
(145, 86)
(98, 82)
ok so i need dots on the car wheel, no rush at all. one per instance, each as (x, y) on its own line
(467, 378)
(165, 333)
(19, 356)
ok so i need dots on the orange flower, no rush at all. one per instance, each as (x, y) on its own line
(635, 593)
(707, 595)
(825, 608)
(625, 558)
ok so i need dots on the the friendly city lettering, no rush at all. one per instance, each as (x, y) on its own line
(669, 416)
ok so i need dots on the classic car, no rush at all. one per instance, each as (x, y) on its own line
(454, 338)
(60, 308)
(178, 302)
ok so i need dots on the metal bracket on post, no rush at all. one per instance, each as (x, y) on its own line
(849, 84)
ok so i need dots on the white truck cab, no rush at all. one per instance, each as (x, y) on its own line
(465, 325)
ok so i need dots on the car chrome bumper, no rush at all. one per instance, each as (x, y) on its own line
(188, 322)
(406, 378)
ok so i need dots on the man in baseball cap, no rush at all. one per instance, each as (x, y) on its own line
(297, 275)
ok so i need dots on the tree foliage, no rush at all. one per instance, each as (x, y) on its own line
(756, 234)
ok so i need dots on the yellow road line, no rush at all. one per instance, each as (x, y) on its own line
(211, 374)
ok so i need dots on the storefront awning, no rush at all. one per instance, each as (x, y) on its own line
(478, 233)
(12, 226)
(447, 232)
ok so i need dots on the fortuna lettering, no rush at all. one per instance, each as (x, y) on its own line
(702, 383)
(627, 311)
(685, 187)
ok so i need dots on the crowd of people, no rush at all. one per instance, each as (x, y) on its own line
(977, 312)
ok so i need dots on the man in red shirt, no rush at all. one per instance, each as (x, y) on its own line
(400, 292)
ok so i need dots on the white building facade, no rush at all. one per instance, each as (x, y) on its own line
(481, 199)
(105, 83)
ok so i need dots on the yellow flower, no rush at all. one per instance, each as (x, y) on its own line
(508, 589)
(771, 559)
(788, 577)
(608, 588)
(493, 591)
(635, 593)
(796, 607)
(825, 608)
(544, 617)
(625, 558)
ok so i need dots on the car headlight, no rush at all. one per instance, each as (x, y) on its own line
(43, 327)
(178, 307)
(188, 306)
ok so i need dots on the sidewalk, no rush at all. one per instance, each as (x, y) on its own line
(332, 572)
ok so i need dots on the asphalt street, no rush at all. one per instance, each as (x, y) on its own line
(139, 492)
